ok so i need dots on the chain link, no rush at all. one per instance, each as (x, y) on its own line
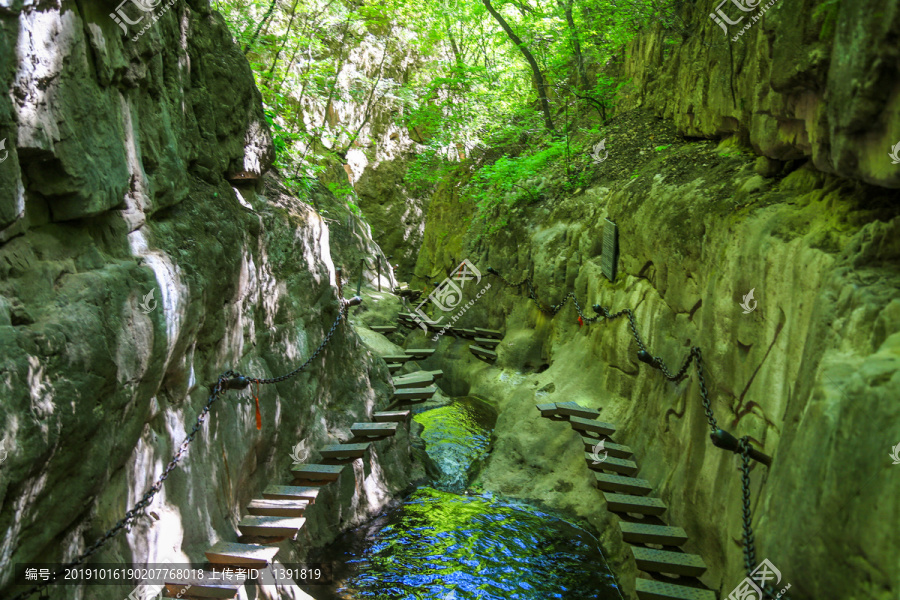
(694, 356)
(553, 310)
(220, 387)
(746, 518)
(341, 313)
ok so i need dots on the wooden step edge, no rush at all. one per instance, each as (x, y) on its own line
(645, 533)
(649, 589)
(665, 561)
(240, 555)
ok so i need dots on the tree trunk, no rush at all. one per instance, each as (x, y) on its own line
(283, 43)
(576, 46)
(535, 69)
(259, 27)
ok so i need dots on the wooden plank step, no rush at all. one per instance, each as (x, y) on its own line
(263, 507)
(317, 472)
(648, 589)
(268, 526)
(599, 427)
(634, 504)
(414, 393)
(618, 483)
(419, 353)
(547, 410)
(573, 409)
(211, 585)
(373, 429)
(241, 555)
(483, 352)
(663, 561)
(396, 358)
(468, 333)
(345, 450)
(392, 416)
(291, 492)
(394, 367)
(489, 333)
(642, 533)
(412, 381)
(385, 329)
(487, 342)
(616, 465)
(436, 374)
(617, 450)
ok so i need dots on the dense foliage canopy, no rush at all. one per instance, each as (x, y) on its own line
(459, 75)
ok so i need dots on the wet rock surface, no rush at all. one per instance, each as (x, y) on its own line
(134, 269)
(699, 228)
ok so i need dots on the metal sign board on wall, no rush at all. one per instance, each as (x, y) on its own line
(609, 260)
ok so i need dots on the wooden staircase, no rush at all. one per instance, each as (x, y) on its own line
(671, 573)
(280, 513)
(383, 329)
(486, 340)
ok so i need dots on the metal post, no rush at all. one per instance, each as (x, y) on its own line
(337, 273)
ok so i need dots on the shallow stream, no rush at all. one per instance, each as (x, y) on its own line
(444, 542)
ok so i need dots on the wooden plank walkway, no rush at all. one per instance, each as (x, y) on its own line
(383, 329)
(281, 512)
(483, 353)
(414, 394)
(614, 469)
(489, 333)
(413, 380)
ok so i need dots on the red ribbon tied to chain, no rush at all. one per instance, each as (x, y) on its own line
(258, 414)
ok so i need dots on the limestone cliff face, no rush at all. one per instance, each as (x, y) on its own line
(811, 374)
(377, 159)
(812, 80)
(117, 186)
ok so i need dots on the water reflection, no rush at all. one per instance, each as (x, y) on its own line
(485, 547)
(457, 437)
(441, 545)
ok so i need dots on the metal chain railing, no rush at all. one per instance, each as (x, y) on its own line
(719, 437)
(229, 380)
(554, 308)
(747, 519)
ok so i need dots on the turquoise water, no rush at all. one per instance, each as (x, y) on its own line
(440, 544)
